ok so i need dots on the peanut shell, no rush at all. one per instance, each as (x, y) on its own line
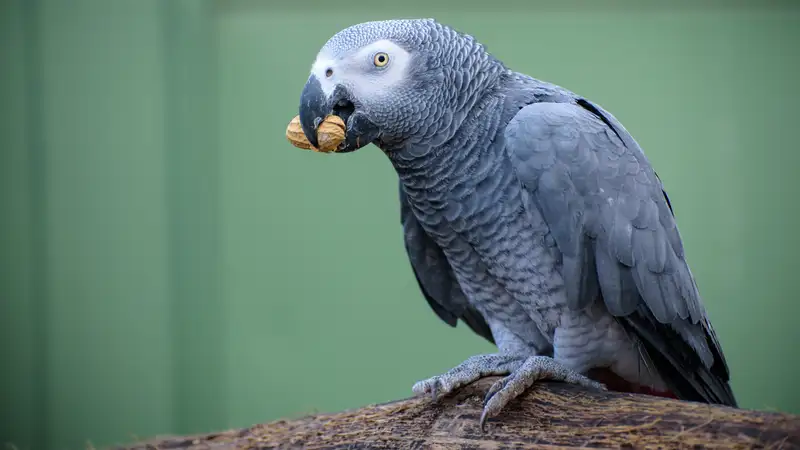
(330, 134)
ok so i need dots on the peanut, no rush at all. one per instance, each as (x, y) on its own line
(330, 134)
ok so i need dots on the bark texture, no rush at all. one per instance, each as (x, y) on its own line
(549, 416)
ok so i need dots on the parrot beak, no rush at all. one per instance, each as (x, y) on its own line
(315, 106)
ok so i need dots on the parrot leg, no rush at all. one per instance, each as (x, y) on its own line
(533, 369)
(473, 368)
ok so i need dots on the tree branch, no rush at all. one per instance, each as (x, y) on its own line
(549, 415)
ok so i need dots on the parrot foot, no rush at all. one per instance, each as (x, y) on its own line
(473, 368)
(535, 368)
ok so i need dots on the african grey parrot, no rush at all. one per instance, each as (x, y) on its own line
(528, 212)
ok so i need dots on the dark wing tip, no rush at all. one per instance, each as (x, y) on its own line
(679, 365)
(468, 315)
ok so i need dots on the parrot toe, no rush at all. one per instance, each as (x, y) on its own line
(533, 369)
(473, 368)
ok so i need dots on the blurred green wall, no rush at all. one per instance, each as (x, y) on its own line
(170, 264)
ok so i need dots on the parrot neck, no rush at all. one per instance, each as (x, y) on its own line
(463, 95)
(430, 173)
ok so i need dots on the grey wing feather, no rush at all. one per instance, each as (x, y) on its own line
(614, 226)
(435, 276)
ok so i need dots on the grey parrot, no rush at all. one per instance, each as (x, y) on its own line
(528, 212)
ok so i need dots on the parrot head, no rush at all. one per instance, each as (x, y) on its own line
(393, 82)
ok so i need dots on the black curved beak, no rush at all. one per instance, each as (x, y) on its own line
(315, 106)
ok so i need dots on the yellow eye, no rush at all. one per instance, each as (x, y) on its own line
(381, 59)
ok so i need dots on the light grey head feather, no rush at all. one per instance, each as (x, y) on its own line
(433, 76)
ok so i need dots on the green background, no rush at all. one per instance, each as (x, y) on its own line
(170, 264)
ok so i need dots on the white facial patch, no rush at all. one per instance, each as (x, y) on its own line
(322, 64)
(357, 70)
(380, 79)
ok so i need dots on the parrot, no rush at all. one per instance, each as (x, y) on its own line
(528, 212)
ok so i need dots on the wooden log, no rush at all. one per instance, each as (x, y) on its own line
(548, 416)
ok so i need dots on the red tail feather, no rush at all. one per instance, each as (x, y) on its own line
(616, 383)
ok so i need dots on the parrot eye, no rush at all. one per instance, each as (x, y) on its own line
(381, 59)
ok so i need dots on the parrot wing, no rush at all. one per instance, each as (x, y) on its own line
(614, 226)
(435, 277)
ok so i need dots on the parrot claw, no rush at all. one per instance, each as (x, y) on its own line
(496, 387)
(533, 369)
(473, 368)
(521, 371)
